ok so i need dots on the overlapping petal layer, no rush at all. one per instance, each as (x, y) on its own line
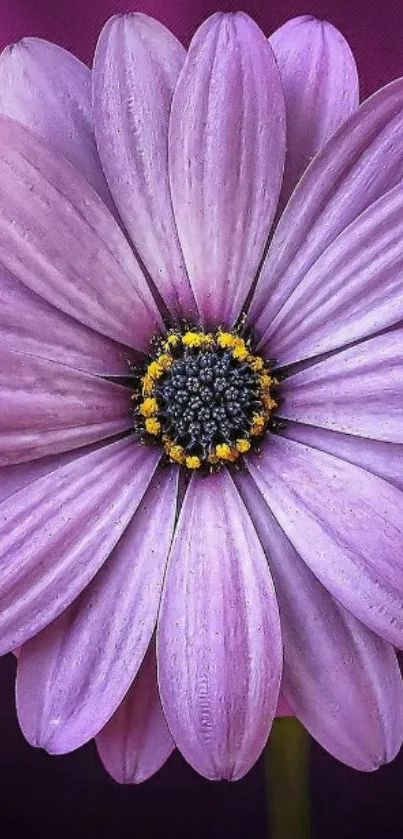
(352, 291)
(136, 67)
(218, 642)
(59, 239)
(357, 391)
(31, 325)
(226, 157)
(341, 680)
(49, 408)
(358, 165)
(58, 531)
(73, 675)
(136, 742)
(345, 523)
(320, 83)
(49, 90)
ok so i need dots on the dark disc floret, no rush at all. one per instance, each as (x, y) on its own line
(205, 396)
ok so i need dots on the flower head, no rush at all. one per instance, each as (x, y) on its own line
(200, 373)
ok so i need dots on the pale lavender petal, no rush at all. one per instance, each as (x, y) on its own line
(65, 698)
(341, 680)
(345, 523)
(19, 475)
(49, 408)
(218, 640)
(58, 531)
(353, 290)
(357, 391)
(383, 459)
(29, 324)
(49, 90)
(60, 240)
(136, 742)
(226, 147)
(136, 66)
(320, 83)
(359, 163)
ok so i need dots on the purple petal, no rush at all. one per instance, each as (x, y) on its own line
(383, 459)
(59, 239)
(352, 291)
(345, 523)
(19, 475)
(57, 532)
(136, 742)
(219, 641)
(49, 90)
(341, 680)
(320, 83)
(30, 324)
(227, 147)
(136, 67)
(49, 408)
(359, 163)
(64, 699)
(357, 391)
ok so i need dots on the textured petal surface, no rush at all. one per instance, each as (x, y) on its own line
(218, 642)
(136, 742)
(49, 90)
(359, 163)
(320, 83)
(341, 680)
(57, 532)
(357, 391)
(30, 324)
(346, 524)
(354, 290)
(383, 459)
(75, 673)
(49, 407)
(227, 148)
(59, 239)
(136, 67)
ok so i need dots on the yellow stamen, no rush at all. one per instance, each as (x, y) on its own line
(226, 452)
(154, 370)
(149, 407)
(258, 423)
(242, 446)
(165, 361)
(256, 363)
(176, 453)
(193, 462)
(240, 352)
(147, 385)
(193, 339)
(226, 340)
(268, 402)
(152, 426)
(265, 381)
(172, 341)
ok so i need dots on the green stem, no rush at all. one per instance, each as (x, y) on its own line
(287, 780)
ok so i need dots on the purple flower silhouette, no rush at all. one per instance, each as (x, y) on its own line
(161, 196)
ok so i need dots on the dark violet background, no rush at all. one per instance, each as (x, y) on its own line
(72, 796)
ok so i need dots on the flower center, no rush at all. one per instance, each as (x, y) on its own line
(205, 396)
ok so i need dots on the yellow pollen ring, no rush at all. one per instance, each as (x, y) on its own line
(258, 424)
(152, 426)
(154, 370)
(193, 462)
(226, 452)
(242, 446)
(149, 407)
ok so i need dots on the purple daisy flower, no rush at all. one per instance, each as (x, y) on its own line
(201, 392)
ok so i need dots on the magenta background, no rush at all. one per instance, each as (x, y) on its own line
(71, 797)
(374, 28)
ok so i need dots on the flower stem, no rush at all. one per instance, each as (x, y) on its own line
(287, 780)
